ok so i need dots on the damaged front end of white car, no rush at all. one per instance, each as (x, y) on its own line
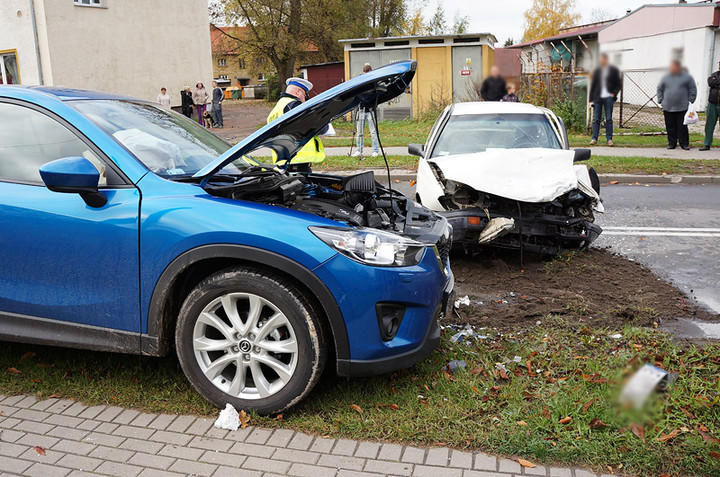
(537, 199)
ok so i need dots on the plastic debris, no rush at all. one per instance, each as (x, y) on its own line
(454, 365)
(639, 387)
(465, 301)
(228, 419)
(464, 335)
(517, 359)
(616, 336)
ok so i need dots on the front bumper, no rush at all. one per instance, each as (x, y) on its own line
(542, 233)
(425, 291)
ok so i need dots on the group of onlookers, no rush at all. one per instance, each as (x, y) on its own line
(197, 101)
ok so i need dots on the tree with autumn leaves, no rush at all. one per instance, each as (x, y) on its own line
(547, 17)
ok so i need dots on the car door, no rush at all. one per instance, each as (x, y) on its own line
(62, 260)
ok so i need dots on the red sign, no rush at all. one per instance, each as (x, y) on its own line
(465, 72)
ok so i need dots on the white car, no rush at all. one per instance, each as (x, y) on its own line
(503, 175)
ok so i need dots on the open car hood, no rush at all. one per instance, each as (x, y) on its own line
(527, 175)
(291, 131)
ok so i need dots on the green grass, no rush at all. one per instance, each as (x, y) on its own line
(602, 164)
(474, 408)
(401, 133)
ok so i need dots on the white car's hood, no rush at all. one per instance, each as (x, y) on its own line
(527, 175)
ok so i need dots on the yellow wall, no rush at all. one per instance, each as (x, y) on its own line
(433, 79)
(488, 59)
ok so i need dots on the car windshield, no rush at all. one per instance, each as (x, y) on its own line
(468, 133)
(168, 143)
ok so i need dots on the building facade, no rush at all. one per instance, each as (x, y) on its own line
(231, 67)
(450, 68)
(644, 42)
(130, 47)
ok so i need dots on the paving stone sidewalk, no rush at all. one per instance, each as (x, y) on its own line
(64, 438)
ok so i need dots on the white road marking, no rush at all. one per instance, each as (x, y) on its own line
(663, 231)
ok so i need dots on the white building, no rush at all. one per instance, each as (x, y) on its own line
(131, 47)
(644, 42)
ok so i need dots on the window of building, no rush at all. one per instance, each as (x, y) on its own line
(9, 73)
(223, 77)
(261, 77)
(29, 139)
(222, 62)
(241, 63)
(90, 3)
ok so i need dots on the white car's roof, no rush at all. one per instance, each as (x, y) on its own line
(495, 107)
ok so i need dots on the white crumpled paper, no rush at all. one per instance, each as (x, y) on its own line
(228, 419)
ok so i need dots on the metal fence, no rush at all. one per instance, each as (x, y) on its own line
(638, 106)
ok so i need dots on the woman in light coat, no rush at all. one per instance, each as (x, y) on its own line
(200, 98)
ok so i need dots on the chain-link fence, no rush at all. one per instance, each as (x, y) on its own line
(638, 105)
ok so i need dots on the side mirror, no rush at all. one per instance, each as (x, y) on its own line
(74, 175)
(582, 155)
(416, 149)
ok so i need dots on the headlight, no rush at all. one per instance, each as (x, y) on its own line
(372, 247)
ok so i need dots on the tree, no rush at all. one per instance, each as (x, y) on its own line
(387, 17)
(509, 42)
(460, 23)
(598, 15)
(437, 24)
(546, 18)
(415, 23)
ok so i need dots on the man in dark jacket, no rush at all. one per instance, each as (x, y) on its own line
(604, 88)
(493, 88)
(676, 91)
(187, 102)
(217, 98)
(713, 109)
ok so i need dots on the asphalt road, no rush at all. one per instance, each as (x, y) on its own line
(672, 229)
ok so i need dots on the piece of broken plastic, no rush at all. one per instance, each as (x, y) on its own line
(463, 335)
(454, 365)
(640, 385)
(228, 419)
(465, 301)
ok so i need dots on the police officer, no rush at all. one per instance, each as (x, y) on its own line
(295, 94)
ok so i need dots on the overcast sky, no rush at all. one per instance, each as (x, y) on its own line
(504, 18)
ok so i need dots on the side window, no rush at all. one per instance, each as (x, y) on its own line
(29, 139)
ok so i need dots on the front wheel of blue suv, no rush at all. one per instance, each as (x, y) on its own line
(249, 338)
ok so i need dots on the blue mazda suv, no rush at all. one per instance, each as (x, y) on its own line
(127, 227)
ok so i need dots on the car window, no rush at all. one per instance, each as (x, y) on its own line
(30, 139)
(168, 143)
(468, 133)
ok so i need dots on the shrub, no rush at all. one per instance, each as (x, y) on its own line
(572, 114)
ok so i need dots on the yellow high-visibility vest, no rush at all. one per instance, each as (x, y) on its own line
(313, 151)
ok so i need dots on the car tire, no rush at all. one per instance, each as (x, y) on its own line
(249, 338)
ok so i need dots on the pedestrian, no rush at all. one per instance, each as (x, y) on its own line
(200, 99)
(605, 85)
(187, 101)
(675, 92)
(296, 93)
(163, 98)
(217, 99)
(493, 88)
(510, 97)
(713, 109)
(364, 116)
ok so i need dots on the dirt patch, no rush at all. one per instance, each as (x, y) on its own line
(596, 287)
(242, 118)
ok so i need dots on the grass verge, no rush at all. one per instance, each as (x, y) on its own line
(565, 370)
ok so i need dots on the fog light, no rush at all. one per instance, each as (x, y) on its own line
(389, 316)
(473, 220)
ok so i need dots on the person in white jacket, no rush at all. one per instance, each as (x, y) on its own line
(164, 98)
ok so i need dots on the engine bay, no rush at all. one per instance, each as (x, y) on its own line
(357, 200)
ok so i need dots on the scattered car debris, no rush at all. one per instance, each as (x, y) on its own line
(616, 336)
(464, 301)
(639, 387)
(455, 365)
(229, 419)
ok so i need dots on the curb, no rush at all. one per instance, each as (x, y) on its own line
(409, 175)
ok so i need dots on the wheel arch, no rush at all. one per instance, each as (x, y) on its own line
(188, 269)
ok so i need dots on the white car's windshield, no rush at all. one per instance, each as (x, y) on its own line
(168, 143)
(468, 133)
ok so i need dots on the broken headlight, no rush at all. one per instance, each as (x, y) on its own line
(372, 247)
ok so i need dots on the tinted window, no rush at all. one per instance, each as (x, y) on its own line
(468, 133)
(29, 139)
(168, 143)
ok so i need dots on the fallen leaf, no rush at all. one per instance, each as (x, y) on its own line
(715, 454)
(614, 182)
(707, 437)
(356, 408)
(53, 396)
(587, 405)
(565, 420)
(279, 417)
(12, 370)
(597, 424)
(521, 423)
(668, 437)
(28, 355)
(394, 407)
(638, 431)
(39, 449)
(525, 463)
(244, 419)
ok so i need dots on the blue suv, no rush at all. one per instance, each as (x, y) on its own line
(127, 227)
